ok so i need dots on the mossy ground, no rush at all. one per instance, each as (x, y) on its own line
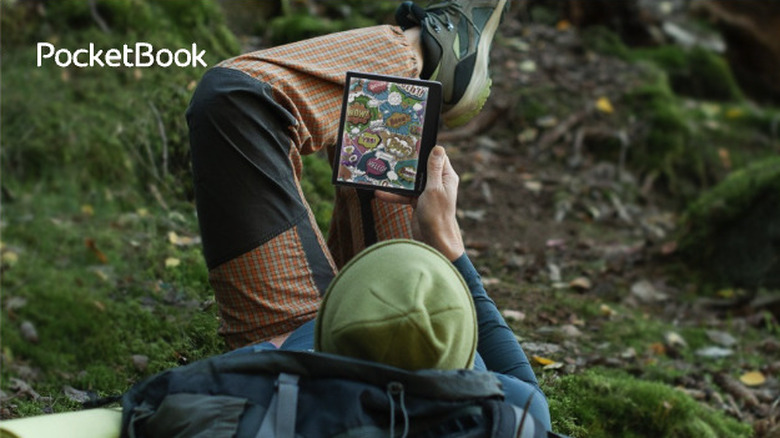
(637, 408)
(99, 235)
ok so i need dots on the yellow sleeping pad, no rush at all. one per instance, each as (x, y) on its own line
(90, 423)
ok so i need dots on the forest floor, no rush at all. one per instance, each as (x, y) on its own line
(579, 250)
(575, 240)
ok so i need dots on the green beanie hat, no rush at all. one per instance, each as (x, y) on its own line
(400, 303)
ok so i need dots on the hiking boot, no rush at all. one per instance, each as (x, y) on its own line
(456, 37)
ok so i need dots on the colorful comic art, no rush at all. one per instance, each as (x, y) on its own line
(383, 124)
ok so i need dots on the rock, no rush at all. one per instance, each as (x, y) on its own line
(29, 333)
(140, 362)
(513, 315)
(570, 331)
(721, 338)
(647, 293)
(728, 233)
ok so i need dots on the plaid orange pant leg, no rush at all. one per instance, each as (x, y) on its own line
(250, 119)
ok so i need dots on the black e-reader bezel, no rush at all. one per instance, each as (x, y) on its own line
(427, 137)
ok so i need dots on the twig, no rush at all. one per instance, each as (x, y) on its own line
(156, 194)
(736, 389)
(554, 134)
(576, 158)
(96, 16)
(481, 123)
(624, 145)
(163, 137)
(151, 164)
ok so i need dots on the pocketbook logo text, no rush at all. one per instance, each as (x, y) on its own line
(139, 54)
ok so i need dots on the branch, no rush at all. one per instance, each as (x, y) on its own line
(96, 16)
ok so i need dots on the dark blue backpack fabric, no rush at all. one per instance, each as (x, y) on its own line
(288, 394)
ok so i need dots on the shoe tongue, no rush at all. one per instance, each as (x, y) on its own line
(409, 15)
(432, 53)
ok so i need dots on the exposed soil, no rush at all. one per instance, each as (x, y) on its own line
(555, 222)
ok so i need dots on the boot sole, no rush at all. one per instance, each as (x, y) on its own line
(478, 89)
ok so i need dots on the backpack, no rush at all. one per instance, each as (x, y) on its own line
(287, 394)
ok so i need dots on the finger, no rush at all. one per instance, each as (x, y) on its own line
(450, 178)
(436, 167)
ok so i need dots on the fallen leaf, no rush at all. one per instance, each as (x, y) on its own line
(753, 378)
(172, 262)
(534, 187)
(607, 311)
(543, 360)
(658, 348)
(548, 121)
(553, 366)
(714, 352)
(604, 105)
(528, 66)
(563, 25)
(673, 339)
(177, 240)
(555, 272)
(580, 283)
(101, 274)
(92, 246)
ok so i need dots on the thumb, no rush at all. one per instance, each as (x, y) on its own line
(436, 167)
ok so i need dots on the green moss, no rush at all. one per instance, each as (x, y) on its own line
(120, 126)
(604, 403)
(289, 28)
(695, 72)
(297, 21)
(690, 145)
(93, 313)
(664, 146)
(602, 40)
(731, 231)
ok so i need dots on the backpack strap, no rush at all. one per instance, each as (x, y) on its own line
(446, 385)
(279, 420)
